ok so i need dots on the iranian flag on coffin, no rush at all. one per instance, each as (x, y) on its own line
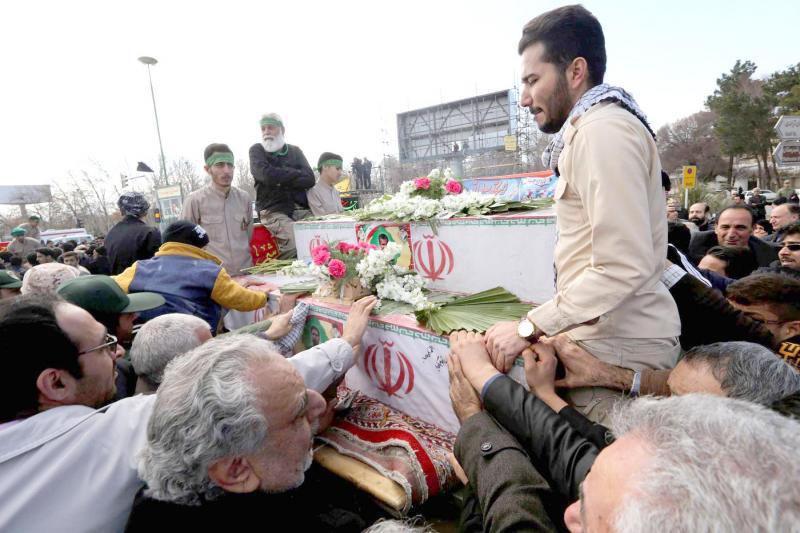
(401, 365)
(308, 235)
(472, 254)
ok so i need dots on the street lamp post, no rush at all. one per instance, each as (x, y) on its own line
(152, 61)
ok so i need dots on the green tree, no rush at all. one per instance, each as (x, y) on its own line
(744, 116)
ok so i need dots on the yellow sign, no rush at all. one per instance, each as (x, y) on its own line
(511, 143)
(343, 186)
(689, 176)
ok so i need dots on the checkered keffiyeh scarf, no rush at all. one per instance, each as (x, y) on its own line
(599, 93)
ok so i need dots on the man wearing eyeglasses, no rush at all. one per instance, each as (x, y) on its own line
(789, 254)
(65, 465)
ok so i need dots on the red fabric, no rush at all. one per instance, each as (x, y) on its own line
(262, 245)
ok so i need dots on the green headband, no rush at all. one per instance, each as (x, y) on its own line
(219, 157)
(267, 121)
(331, 163)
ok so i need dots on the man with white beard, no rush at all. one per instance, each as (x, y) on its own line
(282, 176)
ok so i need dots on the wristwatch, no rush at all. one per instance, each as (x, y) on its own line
(527, 330)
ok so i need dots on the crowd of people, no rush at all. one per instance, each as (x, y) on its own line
(661, 389)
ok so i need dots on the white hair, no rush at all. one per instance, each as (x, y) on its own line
(716, 465)
(162, 339)
(747, 371)
(274, 116)
(206, 409)
(409, 525)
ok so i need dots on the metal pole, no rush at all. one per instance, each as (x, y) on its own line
(158, 129)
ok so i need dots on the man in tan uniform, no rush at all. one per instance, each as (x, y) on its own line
(224, 211)
(323, 198)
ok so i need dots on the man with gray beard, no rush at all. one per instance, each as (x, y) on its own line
(282, 176)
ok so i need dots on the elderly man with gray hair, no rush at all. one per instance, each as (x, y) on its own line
(282, 176)
(166, 337)
(693, 463)
(232, 420)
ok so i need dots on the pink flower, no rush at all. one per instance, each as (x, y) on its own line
(337, 268)
(366, 247)
(320, 254)
(453, 187)
(422, 183)
(345, 247)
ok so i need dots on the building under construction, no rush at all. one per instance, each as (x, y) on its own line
(485, 135)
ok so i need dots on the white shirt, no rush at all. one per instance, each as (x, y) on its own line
(72, 468)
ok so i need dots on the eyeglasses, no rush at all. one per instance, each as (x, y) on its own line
(111, 340)
(793, 246)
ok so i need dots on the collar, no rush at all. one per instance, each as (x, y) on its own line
(219, 191)
(186, 250)
(283, 151)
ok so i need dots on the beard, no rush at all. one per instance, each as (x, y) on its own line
(558, 107)
(273, 144)
(698, 221)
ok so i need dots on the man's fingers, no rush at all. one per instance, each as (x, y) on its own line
(529, 358)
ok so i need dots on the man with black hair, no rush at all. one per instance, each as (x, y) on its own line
(282, 176)
(100, 264)
(323, 198)
(46, 255)
(608, 294)
(224, 211)
(64, 464)
(734, 228)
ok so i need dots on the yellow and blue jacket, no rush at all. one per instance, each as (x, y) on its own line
(191, 280)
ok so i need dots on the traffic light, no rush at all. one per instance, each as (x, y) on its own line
(157, 215)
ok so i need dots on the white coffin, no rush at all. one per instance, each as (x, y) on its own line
(464, 255)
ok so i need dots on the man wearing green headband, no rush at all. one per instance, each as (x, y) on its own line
(323, 198)
(21, 246)
(224, 211)
(282, 176)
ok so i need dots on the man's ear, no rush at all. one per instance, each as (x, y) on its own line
(578, 73)
(55, 386)
(791, 329)
(234, 474)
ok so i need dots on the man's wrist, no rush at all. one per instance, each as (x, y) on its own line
(617, 377)
(479, 376)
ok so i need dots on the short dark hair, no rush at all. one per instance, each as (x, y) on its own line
(68, 246)
(5, 256)
(15, 261)
(792, 229)
(780, 292)
(216, 147)
(31, 258)
(740, 260)
(764, 223)
(22, 319)
(741, 207)
(679, 236)
(326, 156)
(48, 252)
(101, 250)
(566, 33)
(69, 254)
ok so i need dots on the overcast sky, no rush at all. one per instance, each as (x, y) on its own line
(72, 90)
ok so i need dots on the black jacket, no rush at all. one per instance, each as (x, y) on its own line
(130, 240)
(100, 265)
(281, 180)
(702, 241)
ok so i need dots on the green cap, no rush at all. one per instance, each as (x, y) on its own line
(9, 280)
(101, 294)
(16, 232)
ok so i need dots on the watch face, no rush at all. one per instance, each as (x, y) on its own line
(525, 328)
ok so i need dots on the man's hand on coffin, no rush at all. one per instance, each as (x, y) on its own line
(281, 325)
(582, 369)
(540, 373)
(463, 396)
(504, 345)
(357, 321)
(286, 302)
(326, 418)
(470, 350)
